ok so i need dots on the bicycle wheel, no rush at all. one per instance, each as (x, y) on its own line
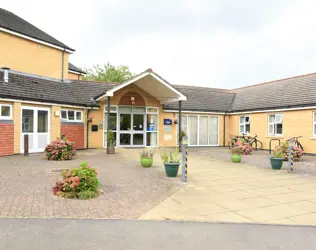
(299, 145)
(232, 143)
(256, 145)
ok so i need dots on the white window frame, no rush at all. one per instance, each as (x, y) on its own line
(6, 117)
(275, 124)
(314, 123)
(198, 130)
(244, 124)
(75, 115)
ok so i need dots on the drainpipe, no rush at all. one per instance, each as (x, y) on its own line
(87, 133)
(62, 65)
(224, 137)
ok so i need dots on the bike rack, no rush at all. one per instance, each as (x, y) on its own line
(274, 139)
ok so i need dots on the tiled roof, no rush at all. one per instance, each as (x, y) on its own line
(33, 88)
(74, 68)
(12, 22)
(203, 99)
(297, 91)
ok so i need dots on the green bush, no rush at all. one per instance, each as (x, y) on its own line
(79, 183)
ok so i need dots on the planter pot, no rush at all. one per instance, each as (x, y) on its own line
(172, 169)
(110, 150)
(236, 158)
(146, 162)
(276, 163)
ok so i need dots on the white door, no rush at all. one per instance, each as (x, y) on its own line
(36, 124)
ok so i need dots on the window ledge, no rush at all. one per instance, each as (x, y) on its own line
(312, 138)
(275, 136)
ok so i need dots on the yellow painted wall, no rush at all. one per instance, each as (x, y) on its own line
(30, 57)
(295, 123)
(55, 123)
(16, 115)
(72, 76)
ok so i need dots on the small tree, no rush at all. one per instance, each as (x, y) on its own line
(109, 73)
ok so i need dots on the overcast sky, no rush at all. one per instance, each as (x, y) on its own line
(215, 43)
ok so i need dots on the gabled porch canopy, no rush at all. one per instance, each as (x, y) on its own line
(153, 84)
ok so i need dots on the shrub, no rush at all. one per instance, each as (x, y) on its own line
(170, 156)
(284, 148)
(147, 153)
(277, 153)
(60, 149)
(79, 183)
(236, 150)
(246, 149)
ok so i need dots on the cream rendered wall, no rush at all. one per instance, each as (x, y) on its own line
(30, 57)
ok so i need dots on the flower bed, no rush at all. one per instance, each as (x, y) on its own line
(284, 148)
(78, 183)
(60, 149)
(246, 149)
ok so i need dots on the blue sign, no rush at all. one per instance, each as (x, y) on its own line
(167, 129)
(167, 122)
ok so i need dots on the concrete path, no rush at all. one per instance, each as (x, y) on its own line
(229, 192)
(55, 234)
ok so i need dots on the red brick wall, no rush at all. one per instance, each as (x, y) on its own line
(74, 133)
(6, 139)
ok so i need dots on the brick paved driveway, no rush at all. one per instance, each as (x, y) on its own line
(129, 190)
(251, 192)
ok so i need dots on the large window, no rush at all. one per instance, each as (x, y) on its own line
(5, 111)
(275, 124)
(244, 125)
(152, 127)
(71, 115)
(202, 130)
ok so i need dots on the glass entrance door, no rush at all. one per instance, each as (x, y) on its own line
(131, 130)
(35, 124)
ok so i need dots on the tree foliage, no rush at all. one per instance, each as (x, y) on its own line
(109, 73)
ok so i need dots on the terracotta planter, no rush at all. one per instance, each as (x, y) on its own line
(236, 158)
(146, 162)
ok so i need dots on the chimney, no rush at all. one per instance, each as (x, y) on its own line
(5, 74)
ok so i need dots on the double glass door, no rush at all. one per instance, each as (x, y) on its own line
(132, 130)
(35, 124)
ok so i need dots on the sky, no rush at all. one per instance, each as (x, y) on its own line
(214, 43)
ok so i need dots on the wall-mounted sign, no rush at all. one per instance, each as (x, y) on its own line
(167, 122)
(94, 128)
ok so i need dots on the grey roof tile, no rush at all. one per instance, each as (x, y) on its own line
(74, 68)
(10, 21)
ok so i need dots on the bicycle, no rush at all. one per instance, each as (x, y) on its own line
(253, 141)
(296, 142)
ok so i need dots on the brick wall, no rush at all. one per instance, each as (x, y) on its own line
(6, 139)
(73, 132)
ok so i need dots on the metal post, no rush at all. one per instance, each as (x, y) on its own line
(180, 118)
(184, 172)
(291, 155)
(108, 120)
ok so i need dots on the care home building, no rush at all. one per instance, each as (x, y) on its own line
(43, 95)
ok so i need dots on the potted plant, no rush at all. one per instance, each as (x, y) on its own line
(111, 142)
(146, 157)
(171, 160)
(277, 159)
(182, 134)
(236, 154)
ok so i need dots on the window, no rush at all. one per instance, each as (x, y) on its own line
(71, 116)
(314, 123)
(244, 125)
(275, 124)
(5, 111)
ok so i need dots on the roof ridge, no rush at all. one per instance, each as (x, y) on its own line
(214, 89)
(94, 81)
(273, 81)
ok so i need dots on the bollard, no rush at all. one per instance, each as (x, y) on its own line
(26, 145)
(291, 156)
(184, 172)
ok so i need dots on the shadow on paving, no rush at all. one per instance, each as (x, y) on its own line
(129, 190)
